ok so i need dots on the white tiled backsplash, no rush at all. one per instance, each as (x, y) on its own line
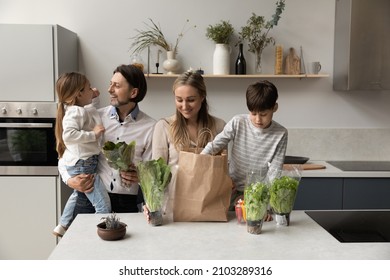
(339, 143)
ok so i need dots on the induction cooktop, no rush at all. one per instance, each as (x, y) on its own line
(361, 165)
(354, 225)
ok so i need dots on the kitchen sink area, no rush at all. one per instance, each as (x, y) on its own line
(353, 165)
(354, 226)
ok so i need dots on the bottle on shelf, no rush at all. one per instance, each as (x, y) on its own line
(240, 62)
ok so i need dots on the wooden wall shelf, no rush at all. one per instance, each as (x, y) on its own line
(249, 76)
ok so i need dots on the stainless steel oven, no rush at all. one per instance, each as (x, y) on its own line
(27, 140)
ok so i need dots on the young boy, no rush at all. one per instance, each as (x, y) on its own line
(256, 140)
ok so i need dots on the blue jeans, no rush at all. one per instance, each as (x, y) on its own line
(98, 197)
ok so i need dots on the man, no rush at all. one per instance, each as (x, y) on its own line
(123, 121)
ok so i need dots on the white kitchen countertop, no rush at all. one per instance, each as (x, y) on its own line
(332, 171)
(304, 239)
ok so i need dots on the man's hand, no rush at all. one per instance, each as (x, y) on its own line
(130, 177)
(82, 182)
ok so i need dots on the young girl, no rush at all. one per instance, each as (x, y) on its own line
(78, 129)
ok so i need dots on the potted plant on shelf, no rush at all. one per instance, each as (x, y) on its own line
(111, 228)
(221, 34)
(255, 32)
(153, 35)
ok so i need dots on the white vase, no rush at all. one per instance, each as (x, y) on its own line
(221, 59)
(171, 64)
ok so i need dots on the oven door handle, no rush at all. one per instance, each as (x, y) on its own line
(26, 125)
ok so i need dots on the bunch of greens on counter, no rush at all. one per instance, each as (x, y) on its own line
(154, 176)
(256, 198)
(120, 155)
(283, 191)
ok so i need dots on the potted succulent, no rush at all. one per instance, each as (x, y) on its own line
(111, 228)
(221, 34)
(255, 32)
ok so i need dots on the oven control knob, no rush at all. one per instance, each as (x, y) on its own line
(4, 111)
(35, 111)
(19, 111)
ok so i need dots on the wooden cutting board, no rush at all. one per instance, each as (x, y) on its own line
(307, 166)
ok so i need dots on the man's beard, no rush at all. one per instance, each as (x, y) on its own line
(118, 103)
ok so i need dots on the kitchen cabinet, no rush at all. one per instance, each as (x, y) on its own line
(319, 194)
(28, 209)
(343, 193)
(29, 53)
(362, 45)
(366, 193)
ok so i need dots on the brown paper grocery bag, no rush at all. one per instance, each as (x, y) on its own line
(203, 187)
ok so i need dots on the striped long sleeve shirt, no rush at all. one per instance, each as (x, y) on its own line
(250, 148)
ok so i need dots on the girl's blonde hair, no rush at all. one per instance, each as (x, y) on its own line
(180, 135)
(68, 86)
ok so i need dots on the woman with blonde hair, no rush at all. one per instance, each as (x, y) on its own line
(185, 128)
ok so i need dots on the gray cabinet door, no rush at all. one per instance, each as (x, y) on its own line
(27, 62)
(366, 193)
(319, 194)
(32, 56)
(28, 207)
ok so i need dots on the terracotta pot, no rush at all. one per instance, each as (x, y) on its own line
(111, 234)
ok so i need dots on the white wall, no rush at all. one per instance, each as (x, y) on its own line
(105, 26)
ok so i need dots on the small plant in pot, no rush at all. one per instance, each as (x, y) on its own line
(256, 30)
(111, 228)
(220, 33)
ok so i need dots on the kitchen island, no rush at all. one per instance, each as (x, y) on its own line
(304, 239)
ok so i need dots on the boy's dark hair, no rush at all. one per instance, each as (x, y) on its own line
(261, 96)
(136, 78)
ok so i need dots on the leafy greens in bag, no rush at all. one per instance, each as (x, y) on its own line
(154, 176)
(256, 198)
(283, 191)
(120, 155)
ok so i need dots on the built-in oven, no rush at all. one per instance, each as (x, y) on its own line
(27, 140)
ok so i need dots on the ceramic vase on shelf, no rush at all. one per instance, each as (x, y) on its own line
(171, 64)
(221, 59)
